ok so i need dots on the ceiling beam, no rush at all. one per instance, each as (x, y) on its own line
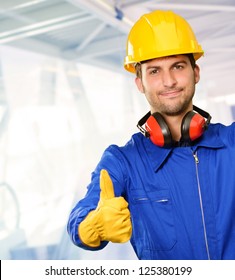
(194, 7)
(43, 27)
(91, 36)
(109, 14)
(98, 48)
(15, 11)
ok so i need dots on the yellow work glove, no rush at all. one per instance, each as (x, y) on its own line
(110, 221)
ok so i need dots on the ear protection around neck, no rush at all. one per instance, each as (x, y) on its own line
(192, 127)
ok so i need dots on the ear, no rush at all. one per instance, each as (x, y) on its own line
(139, 84)
(197, 73)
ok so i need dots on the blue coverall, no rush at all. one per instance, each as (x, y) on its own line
(181, 199)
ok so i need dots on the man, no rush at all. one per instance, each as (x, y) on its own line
(171, 188)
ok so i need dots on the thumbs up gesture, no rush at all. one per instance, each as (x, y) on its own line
(110, 221)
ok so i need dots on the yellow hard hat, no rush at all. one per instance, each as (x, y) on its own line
(159, 34)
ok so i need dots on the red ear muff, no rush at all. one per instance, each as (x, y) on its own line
(192, 127)
(158, 130)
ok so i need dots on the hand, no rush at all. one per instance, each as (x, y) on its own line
(110, 221)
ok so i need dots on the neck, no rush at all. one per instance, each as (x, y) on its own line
(174, 124)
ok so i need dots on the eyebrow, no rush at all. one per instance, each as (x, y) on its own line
(173, 64)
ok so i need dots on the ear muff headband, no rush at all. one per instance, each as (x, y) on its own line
(192, 127)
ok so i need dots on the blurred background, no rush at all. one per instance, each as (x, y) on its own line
(65, 96)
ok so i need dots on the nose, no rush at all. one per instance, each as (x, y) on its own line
(168, 79)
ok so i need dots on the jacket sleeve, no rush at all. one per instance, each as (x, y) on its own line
(111, 161)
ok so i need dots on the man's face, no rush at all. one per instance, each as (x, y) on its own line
(169, 84)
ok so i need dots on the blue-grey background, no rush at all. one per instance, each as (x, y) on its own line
(64, 97)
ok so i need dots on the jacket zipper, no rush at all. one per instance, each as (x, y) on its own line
(201, 204)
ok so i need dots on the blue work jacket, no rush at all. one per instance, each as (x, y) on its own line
(181, 199)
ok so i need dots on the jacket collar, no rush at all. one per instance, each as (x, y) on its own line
(158, 155)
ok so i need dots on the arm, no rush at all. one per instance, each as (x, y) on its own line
(101, 217)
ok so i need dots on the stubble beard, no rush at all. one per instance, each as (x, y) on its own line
(174, 109)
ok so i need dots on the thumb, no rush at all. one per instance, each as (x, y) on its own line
(106, 186)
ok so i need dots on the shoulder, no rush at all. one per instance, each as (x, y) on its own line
(133, 146)
(225, 132)
(117, 156)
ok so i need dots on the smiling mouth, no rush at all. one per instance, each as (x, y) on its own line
(171, 94)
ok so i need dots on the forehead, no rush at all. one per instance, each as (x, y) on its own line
(165, 60)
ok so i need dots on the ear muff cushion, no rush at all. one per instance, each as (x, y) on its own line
(158, 130)
(193, 126)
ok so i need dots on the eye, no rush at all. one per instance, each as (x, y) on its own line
(153, 71)
(178, 66)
